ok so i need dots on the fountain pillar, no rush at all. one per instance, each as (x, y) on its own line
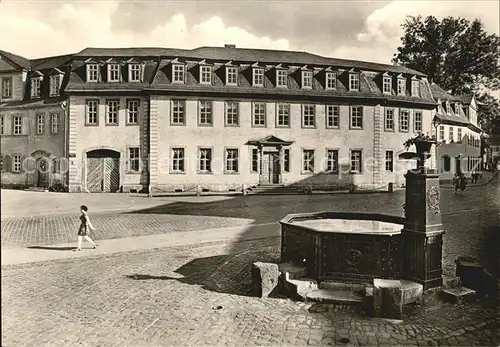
(422, 234)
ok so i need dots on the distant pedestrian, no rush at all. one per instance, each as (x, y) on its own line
(85, 225)
(463, 183)
(456, 182)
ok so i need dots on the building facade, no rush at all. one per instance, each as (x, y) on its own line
(457, 130)
(216, 119)
(33, 121)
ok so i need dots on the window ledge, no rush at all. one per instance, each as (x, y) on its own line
(199, 172)
(173, 172)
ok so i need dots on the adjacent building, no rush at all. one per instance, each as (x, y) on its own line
(221, 118)
(457, 130)
(32, 120)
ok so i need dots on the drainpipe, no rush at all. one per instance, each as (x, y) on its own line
(65, 107)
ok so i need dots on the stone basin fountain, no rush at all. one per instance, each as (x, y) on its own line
(389, 260)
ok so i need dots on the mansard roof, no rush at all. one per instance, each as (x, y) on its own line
(16, 59)
(248, 55)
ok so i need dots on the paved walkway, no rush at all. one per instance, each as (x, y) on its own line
(196, 293)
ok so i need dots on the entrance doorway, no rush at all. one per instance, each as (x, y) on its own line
(43, 173)
(103, 171)
(270, 168)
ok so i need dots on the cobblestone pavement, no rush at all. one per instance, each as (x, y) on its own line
(465, 218)
(198, 295)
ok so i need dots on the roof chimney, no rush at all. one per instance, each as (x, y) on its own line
(229, 46)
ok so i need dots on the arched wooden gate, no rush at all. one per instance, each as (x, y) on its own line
(103, 171)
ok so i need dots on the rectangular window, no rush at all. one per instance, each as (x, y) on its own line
(415, 88)
(448, 108)
(356, 120)
(332, 161)
(92, 73)
(132, 111)
(113, 73)
(232, 114)
(205, 160)
(40, 124)
(54, 123)
(206, 74)
(281, 78)
(133, 159)
(178, 159)
(56, 165)
(441, 132)
(134, 71)
(387, 85)
(283, 115)
(55, 82)
(307, 77)
(451, 135)
(35, 87)
(232, 160)
(286, 160)
(356, 161)
(178, 117)
(255, 160)
(112, 112)
(308, 160)
(16, 163)
(308, 116)
(205, 112)
(92, 112)
(2, 123)
(17, 124)
(389, 119)
(418, 121)
(401, 86)
(332, 116)
(258, 77)
(389, 161)
(178, 73)
(354, 81)
(7, 87)
(232, 76)
(259, 114)
(331, 80)
(404, 120)
(459, 135)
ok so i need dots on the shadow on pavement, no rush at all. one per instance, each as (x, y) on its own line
(53, 248)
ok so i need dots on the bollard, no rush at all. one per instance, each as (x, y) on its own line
(198, 190)
(391, 187)
(244, 189)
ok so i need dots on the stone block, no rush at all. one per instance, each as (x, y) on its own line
(387, 299)
(471, 274)
(412, 291)
(458, 295)
(264, 278)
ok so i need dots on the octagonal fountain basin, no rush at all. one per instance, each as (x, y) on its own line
(343, 246)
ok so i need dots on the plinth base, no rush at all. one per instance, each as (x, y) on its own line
(422, 257)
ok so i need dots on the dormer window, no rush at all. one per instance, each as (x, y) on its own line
(354, 81)
(113, 73)
(35, 87)
(205, 74)
(448, 108)
(307, 77)
(331, 80)
(415, 88)
(55, 84)
(387, 85)
(232, 75)
(178, 73)
(92, 73)
(134, 72)
(281, 78)
(401, 86)
(258, 77)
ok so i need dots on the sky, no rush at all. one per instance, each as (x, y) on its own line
(361, 30)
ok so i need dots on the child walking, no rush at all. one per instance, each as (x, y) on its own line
(84, 228)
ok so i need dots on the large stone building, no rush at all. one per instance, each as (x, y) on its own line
(456, 128)
(219, 118)
(32, 120)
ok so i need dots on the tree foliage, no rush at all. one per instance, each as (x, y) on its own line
(457, 54)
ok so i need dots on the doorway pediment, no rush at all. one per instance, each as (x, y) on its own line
(270, 140)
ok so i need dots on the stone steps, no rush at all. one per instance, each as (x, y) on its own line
(273, 190)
